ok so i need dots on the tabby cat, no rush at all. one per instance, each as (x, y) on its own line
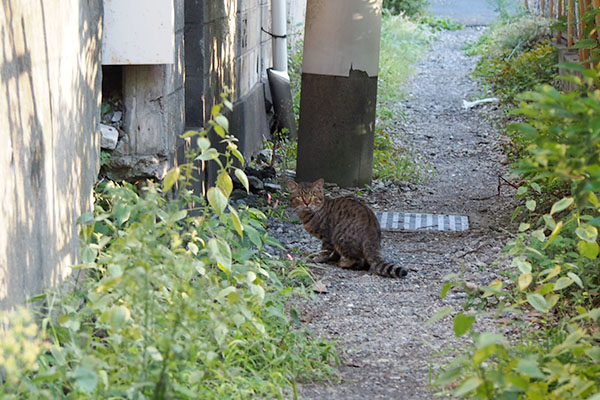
(346, 227)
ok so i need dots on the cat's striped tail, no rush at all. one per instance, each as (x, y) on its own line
(381, 267)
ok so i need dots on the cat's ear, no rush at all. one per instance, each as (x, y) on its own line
(318, 184)
(292, 185)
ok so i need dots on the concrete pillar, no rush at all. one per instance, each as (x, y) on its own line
(339, 90)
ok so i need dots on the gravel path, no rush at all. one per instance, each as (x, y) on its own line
(380, 323)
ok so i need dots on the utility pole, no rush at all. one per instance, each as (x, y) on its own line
(339, 91)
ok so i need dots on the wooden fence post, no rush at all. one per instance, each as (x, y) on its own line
(543, 8)
(570, 23)
(559, 14)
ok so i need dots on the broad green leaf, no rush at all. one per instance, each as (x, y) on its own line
(258, 291)
(523, 226)
(449, 376)
(203, 143)
(561, 205)
(530, 204)
(237, 224)
(439, 314)
(551, 272)
(523, 265)
(483, 354)
(225, 183)
(154, 354)
(85, 378)
(550, 223)
(447, 286)
(171, 178)
(217, 200)
(552, 300)
(219, 130)
(493, 288)
(177, 216)
(594, 199)
(228, 104)
(119, 315)
(485, 339)
(522, 190)
(587, 249)
(85, 218)
(571, 66)
(538, 302)
(468, 386)
(462, 323)
(241, 175)
(88, 254)
(539, 235)
(187, 134)
(587, 232)
(225, 292)
(525, 281)
(562, 283)
(236, 153)
(209, 154)
(585, 44)
(529, 368)
(575, 279)
(220, 252)
(215, 110)
(222, 121)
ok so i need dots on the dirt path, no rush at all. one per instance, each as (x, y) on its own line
(380, 323)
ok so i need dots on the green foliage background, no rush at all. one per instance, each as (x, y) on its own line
(179, 297)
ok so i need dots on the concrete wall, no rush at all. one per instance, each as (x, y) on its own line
(225, 48)
(49, 109)
(154, 101)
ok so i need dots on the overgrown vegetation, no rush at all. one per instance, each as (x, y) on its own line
(403, 43)
(410, 8)
(548, 342)
(515, 56)
(181, 297)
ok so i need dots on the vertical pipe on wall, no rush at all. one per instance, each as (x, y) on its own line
(278, 14)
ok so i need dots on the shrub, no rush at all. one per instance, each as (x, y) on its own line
(510, 74)
(183, 298)
(553, 300)
(407, 7)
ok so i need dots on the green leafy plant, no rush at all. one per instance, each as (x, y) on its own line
(182, 298)
(403, 43)
(552, 302)
(409, 8)
(509, 74)
(438, 23)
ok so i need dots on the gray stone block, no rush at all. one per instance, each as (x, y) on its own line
(109, 137)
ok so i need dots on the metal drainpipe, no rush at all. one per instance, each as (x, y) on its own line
(279, 23)
(279, 80)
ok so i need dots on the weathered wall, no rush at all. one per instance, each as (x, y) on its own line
(154, 101)
(49, 110)
(225, 47)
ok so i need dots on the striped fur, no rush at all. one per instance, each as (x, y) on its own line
(346, 227)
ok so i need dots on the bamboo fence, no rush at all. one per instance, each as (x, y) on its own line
(576, 26)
